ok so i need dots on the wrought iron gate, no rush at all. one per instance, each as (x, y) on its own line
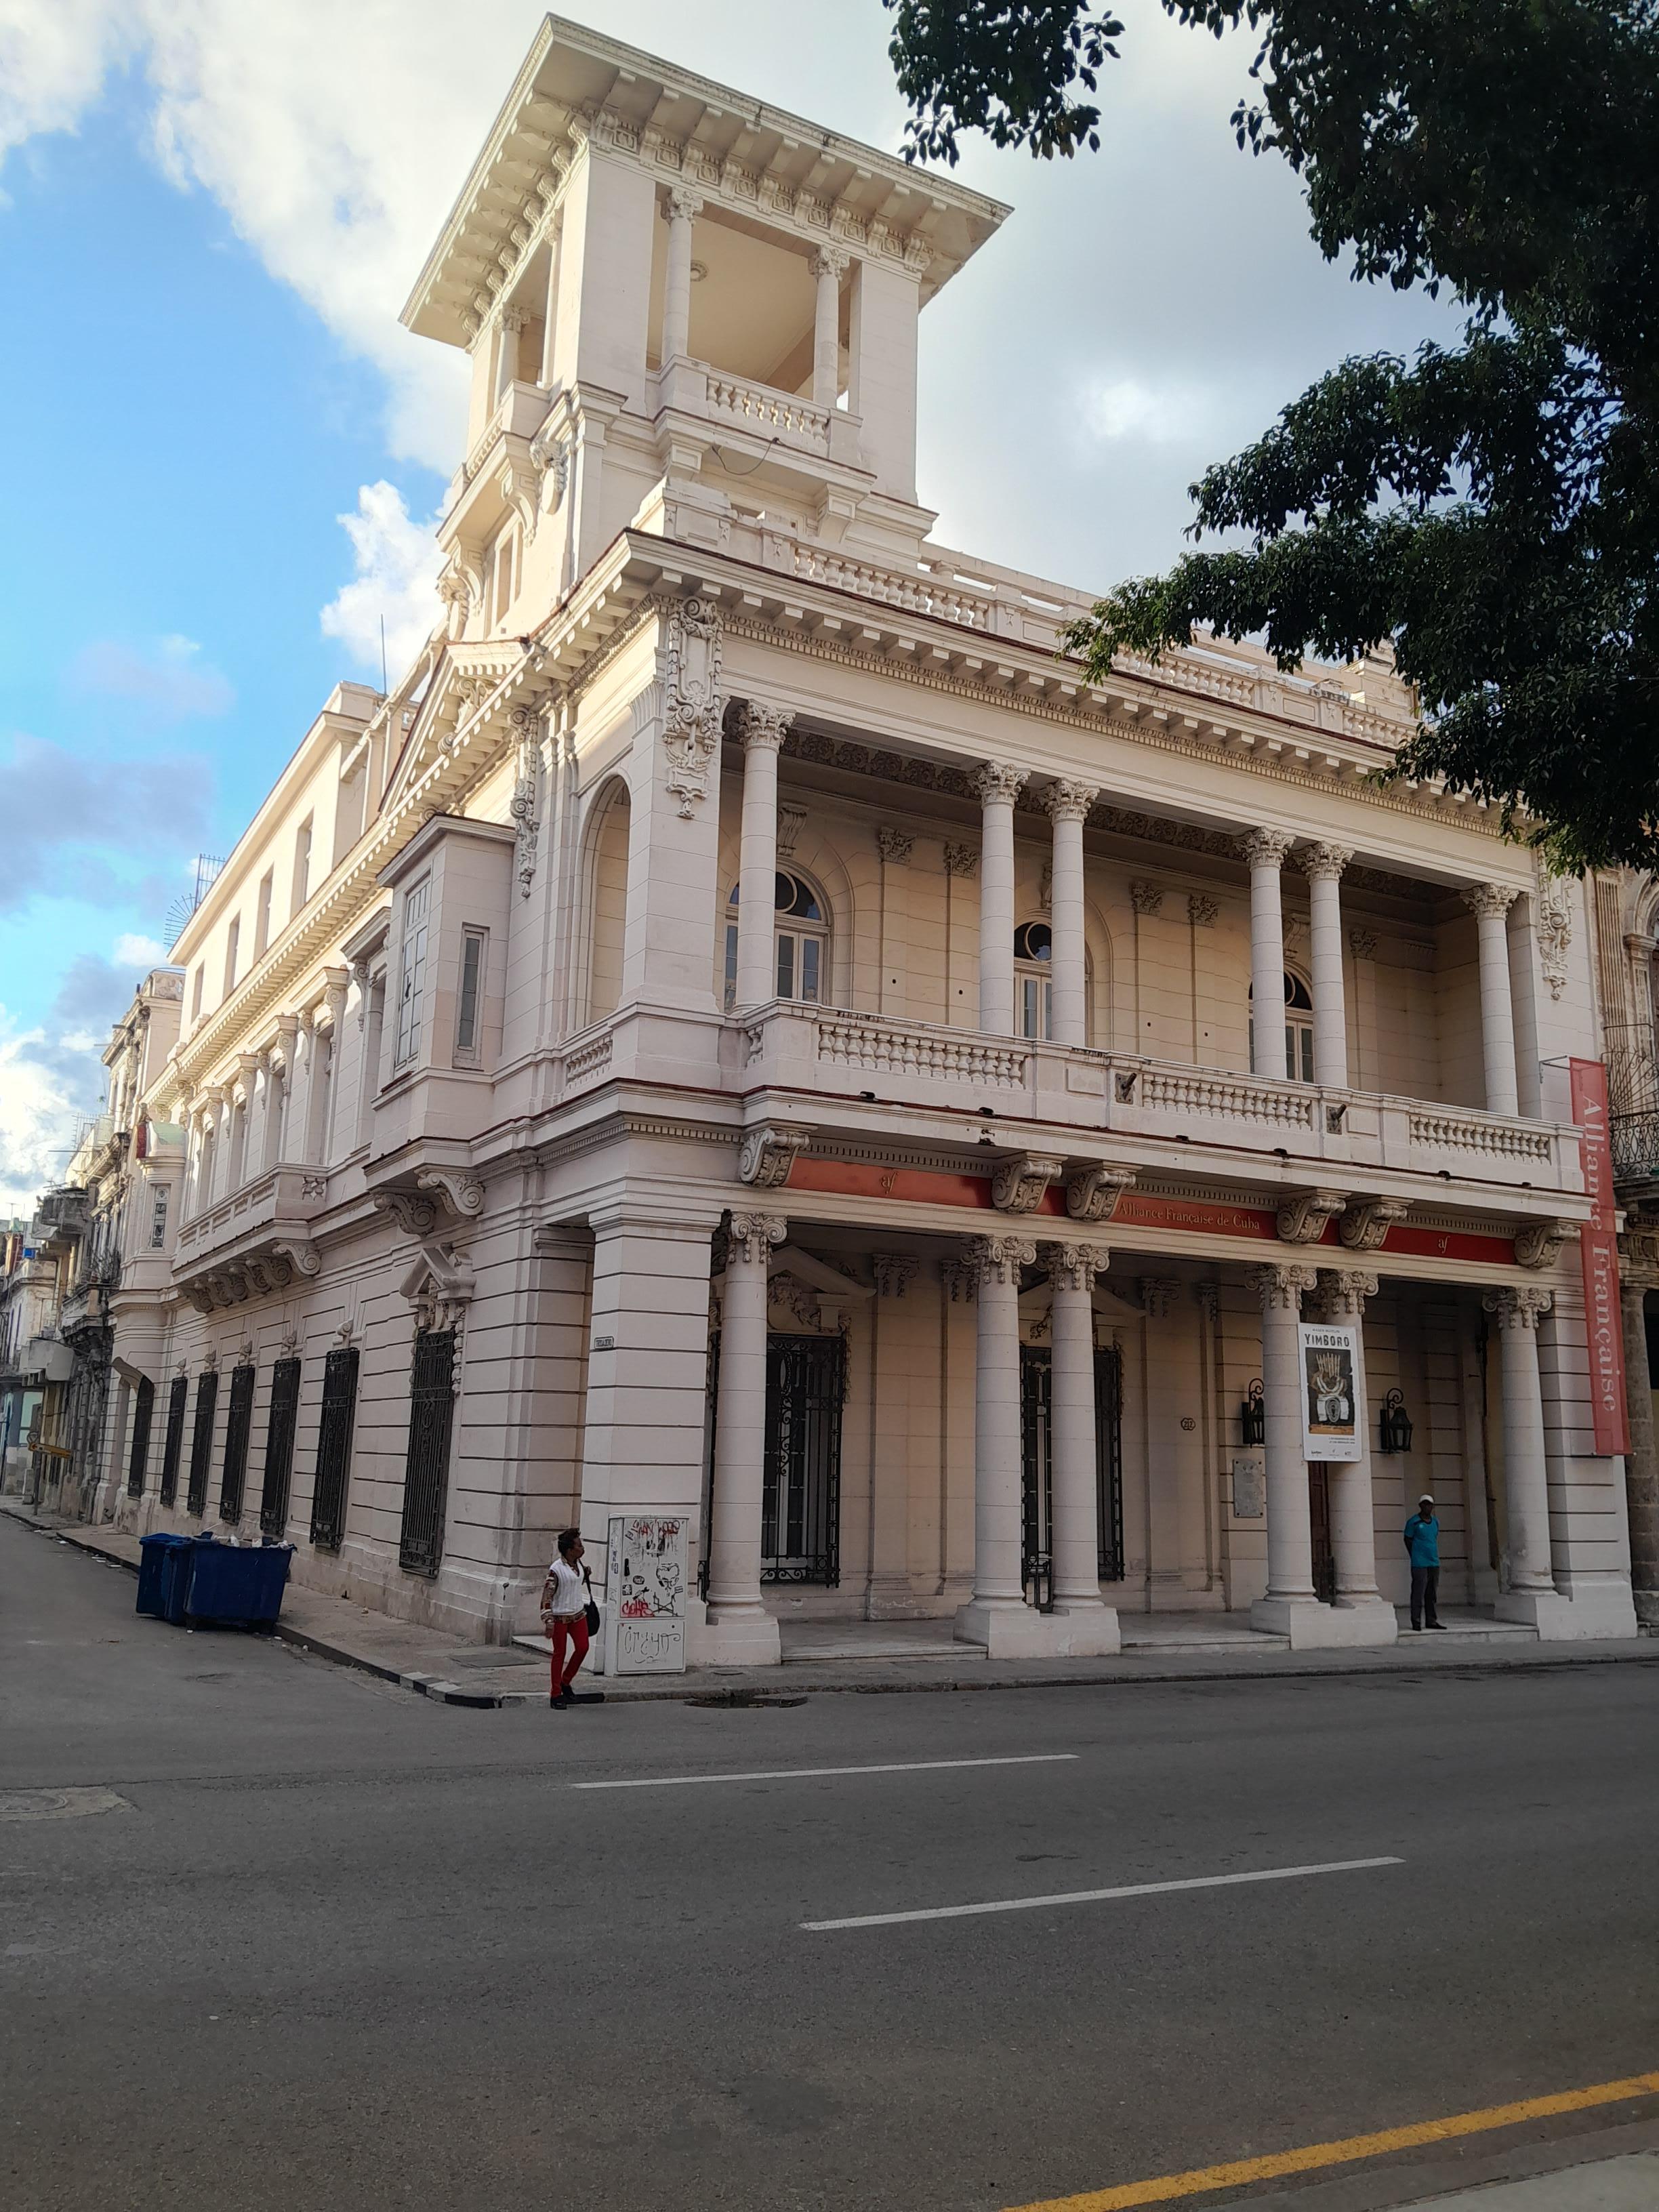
(800, 1499)
(201, 1441)
(172, 1448)
(339, 1415)
(238, 1428)
(426, 1467)
(1037, 1467)
(279, 1446)
(143, 1413)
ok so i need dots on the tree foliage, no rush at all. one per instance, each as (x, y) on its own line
(1490, 510)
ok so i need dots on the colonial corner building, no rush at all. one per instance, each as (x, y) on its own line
(744, 1032)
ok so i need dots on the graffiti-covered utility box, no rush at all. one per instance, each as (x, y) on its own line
(645, 1594)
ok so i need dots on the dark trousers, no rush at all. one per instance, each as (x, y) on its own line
(1426, 1596)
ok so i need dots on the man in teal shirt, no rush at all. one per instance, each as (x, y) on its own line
(1423, 1550)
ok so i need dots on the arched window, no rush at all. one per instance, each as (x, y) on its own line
(1298, 1030)
(800, 966)
(1034, 979)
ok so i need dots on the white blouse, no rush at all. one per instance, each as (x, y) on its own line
(567, 1594)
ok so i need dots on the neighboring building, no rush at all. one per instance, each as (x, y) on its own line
(36, 1364)
(745, 1030)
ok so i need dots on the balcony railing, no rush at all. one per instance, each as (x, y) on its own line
(780, 415)
(281, 1201)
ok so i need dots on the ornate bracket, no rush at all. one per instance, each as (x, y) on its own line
(769, 1153)
(1302, 1219)
(1537, 1244)
(1092, 1193)
(526, 792)
(306, 1259)
(1017, 1183)
(463, 1192)
(414, 1216)
(1366, 1221)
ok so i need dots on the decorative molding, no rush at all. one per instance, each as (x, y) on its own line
(1553, 927)
(830, 261)
(1366, 1221)
(895, 846)
(768, 1154)
(1362, 942)
(959, 1280)
(791, 820)
(464, 1192)
(997, 783)
(760, 728)
(1301, 1219)
(1208, 1296)
(1157, 1294)
(1537, 1244)
(1517, 1308)
(1074, 1266)
(999, 1259)
(1202, 911)
(1343, 1292)
(302, 1254)
(692, 707)
(1487, 901)
(1017, 1183)
(439, 1287)
(894, 1272)
(1067, 801)
(1264, 848)
(1280, 1285)
(414, 1216)
(750, 1236)
(1092, 1193)
(961, 860)
(1324, 863)
(1146, 898)
(526, 722)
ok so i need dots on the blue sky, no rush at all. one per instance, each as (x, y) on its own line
(210, 216)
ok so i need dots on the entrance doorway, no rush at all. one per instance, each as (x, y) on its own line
(800, 1481)
(1036, 1467)
(1319, 1515)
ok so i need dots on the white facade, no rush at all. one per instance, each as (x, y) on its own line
(740, 927)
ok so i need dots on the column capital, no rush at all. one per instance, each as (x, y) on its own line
(751, 1236)
(1265, 848)
(513, 319)
(959, 1280)
(830, 261)
(1157, 1294)
(961, 860)
(895, 846)
(1489, 900)
(996, 784)
(999, 1259)
(1344, 1291)
(684, 204)
(1279, 1286)
(1065, 801)
(1075, 1267)
(1517, 1308)
(894, 1272)
(1323, 863)
(761, 728)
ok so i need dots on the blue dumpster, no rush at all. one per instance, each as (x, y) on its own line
(238, 1581)
(152, 1564)
(177, 1564)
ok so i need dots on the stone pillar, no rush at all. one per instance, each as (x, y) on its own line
(1531, 1594)
(747, 1634)
(1490, 905)
(1642, 1459)
(997, 1615)
(507, 360)
(1076, 1530)
(279, 1093)
(332, 1069)
(1068, 806)
(1290, 1607)
(829, 266)
(224, 1113)
(998, 786)
(1322, 865)
(1265, 850)
(683, 209)
(1354, 1516)
(762, 731)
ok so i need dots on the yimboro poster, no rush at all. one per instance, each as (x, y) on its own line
(1330, 1394)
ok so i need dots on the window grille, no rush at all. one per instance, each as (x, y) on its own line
(143, 1413)
(279, 1446)
(412, 975)
(238, 1426)
(1037, 1467)
(201, 1441)
(328, 1500)
(426, 1467)
(173, 1446)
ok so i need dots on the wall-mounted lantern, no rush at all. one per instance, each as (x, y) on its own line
(1393, 1424)
(1253, 1415)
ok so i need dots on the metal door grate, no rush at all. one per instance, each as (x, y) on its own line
(339, 1416)
(201, 1441)
(800, 1502)
(426, 1467)
(172, 1448)
(279, 1446)
(1108, 1460)
(238, 1428)
(143, 1414)
(1036, 1466)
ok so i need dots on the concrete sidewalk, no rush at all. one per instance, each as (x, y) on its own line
(913, 1656)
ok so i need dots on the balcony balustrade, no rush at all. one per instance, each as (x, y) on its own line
(255, 1237)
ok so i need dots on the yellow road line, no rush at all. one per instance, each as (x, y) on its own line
(1165, 2186)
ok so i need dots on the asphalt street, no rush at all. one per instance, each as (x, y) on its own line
(338, 1946)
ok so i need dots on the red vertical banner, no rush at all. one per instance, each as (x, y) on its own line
(1598, 1249)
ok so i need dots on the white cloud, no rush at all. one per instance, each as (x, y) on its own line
(145, 952)
(397, 562)
(39, 1113)
(1142, 414)
(169, 680)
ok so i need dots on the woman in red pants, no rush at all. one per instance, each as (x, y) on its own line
(564, 1614)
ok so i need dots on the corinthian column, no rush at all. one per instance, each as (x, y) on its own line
(996, 1613)
(1322, 865)
(1093, 1625)
(1353, 1519)
(828, 265)
(683, 209)
(1490, 905)
(734, 1537)
(762, 731)
(1290, 1607)
(998, 786)
(1067, 806)
(1265, 850)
